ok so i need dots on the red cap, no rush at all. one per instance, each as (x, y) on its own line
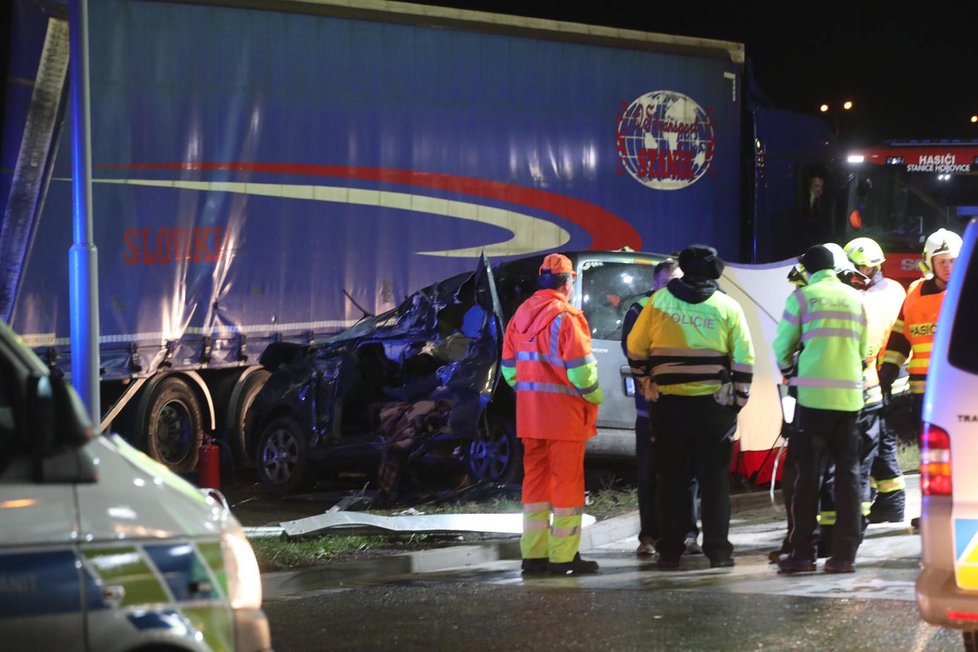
(557, 264)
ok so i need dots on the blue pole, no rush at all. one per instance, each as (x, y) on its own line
(83, 256)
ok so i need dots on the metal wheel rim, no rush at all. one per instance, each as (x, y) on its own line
(489, 459)
(174, 434)
(279, 456)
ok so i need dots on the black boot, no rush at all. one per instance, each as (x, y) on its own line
(577, 566)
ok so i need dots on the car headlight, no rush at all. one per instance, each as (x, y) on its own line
(244, 579)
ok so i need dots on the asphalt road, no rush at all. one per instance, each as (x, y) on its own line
(475, 599)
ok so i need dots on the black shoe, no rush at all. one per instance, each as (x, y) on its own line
(915, 524)
(536, 566)
(667, 564)
(727, 562)
(692, 548)
(788, 565)
(576, 566)
(835, 566)
(886, 517)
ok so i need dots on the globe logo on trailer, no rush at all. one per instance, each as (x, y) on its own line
(666, 140)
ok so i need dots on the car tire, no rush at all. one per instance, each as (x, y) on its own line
(282, 457)
(496, 455)
(172, 423)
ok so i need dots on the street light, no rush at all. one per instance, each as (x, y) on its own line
(836, 110)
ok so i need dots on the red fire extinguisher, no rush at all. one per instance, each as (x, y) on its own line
(209, 465)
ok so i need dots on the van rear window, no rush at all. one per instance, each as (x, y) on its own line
(963, 352)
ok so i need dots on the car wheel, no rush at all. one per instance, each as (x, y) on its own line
(283, 457)
(173, 423)
(496, 455)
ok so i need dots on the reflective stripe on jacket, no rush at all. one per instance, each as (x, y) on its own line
(690, 349)
(883, 301)
(913, 332)
(547, 359)
(826, 320)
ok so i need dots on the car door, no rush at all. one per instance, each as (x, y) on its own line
(606, 288)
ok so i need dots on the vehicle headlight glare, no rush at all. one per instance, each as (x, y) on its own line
(244, 579)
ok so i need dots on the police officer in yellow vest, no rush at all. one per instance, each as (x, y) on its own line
(692, 353)
(826, 321)
(882, 298)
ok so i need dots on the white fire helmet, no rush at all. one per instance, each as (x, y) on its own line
(940, 241)
(865, 252)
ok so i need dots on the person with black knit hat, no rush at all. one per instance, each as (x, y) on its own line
(821, 343)
(692, 355)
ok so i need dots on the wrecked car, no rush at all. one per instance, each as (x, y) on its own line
(403, 395)
(416, 390)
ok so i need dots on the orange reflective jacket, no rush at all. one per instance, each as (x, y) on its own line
(547, 359)
(913, 333)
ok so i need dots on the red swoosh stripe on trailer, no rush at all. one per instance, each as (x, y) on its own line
(607, 230)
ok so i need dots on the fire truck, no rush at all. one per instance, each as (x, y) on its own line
(900, 192)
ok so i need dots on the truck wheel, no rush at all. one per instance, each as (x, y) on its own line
(238, 426)
(283, 457)
(173, 424)
(496, 455)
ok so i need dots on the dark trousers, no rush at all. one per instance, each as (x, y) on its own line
(890, 500)
(648, 518)
(693, 436)
(826, 437)
(868, 425)
(646, 489)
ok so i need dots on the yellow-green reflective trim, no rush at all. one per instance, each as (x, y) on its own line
(565, 531)
(215, 623)
(893, 484)
(826, 518)
(534, 544)
(213, 555)
(126, 567)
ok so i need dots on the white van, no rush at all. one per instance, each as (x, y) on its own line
(100, 547)
(947, 586)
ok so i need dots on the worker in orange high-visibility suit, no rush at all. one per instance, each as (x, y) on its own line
(547, 359)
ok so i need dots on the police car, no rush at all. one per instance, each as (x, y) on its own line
(100, 547)
(947, 586)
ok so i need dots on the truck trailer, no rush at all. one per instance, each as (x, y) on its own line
(274, 171)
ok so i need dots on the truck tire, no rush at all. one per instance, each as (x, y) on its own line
(238, 426)
(496, 455)
(282, 457)
(172, 423)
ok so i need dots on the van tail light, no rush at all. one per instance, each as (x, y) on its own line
(935, 461)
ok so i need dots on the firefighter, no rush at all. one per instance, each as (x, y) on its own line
(547, 359)
(883, 298)
(648, 533)
(826, 321)
(691, 351)
(913, 332)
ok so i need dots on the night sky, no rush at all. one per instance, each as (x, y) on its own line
(911, 75)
